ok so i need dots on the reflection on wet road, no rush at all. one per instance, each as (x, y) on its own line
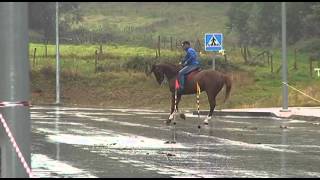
(87, 142)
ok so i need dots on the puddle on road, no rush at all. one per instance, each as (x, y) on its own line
(92, 138)
(118, 141)
(45, 167)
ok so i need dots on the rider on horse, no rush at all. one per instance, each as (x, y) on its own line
(189, 63)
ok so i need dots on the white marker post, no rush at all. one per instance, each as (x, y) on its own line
(318, 71)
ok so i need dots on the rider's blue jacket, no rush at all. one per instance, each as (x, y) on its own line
(190, 58)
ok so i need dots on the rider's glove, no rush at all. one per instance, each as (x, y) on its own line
(185, 63)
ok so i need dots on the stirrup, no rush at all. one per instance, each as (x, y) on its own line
(180, 91)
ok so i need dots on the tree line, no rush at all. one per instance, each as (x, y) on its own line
(259, 23)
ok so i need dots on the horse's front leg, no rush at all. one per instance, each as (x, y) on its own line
(206, 121)
(173, 101)
(172, 107)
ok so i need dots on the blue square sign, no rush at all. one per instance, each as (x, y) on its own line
(213, 41)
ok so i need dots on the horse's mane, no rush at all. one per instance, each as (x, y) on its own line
(171, 66)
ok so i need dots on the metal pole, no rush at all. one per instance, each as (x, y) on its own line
(57, 56)
(284, 59)
(214, 62)
(14, 86)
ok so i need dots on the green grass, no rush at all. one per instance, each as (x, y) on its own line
(268, 86)
(121, 80)
(178, 19)
(119, 85)
(122, 51)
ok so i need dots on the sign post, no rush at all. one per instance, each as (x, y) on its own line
(214, 62)
(214, 42)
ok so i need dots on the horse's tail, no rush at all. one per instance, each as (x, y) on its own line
(227, 81)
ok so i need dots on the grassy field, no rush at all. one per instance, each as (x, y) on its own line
(182, 19)
(121, 86)
(120, 79)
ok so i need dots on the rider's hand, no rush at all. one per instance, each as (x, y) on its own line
(186, 63)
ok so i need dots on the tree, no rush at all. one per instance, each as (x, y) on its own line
(238, 14)
(265, 23)
(296, 12)
(259, 23)
(42, 17)
(311, 21)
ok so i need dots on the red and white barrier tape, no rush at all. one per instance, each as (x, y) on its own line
(12, 140)
(14, 104)
(302, 92)
(15, 145)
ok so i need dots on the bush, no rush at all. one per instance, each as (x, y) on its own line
(48, 72)
(309, 46)
(139, 63)
(221, 65)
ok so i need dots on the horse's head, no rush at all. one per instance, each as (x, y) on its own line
(158, 73)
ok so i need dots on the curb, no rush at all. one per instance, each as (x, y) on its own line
(307, 118)
(257, 114)
(237, 113)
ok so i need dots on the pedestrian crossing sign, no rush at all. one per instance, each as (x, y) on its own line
(213, 42)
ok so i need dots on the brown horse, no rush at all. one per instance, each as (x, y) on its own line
(209, 80)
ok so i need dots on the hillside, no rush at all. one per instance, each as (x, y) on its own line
(179, 19)
(119, 78)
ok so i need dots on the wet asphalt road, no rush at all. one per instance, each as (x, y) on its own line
(85, 142)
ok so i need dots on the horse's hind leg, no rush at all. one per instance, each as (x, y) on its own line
(212, 102)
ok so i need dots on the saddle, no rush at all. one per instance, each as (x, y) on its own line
(190, 75)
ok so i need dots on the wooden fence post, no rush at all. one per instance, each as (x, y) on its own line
(176, 44)
(34, 56)
(96, 61)
(268, 57)
(295, 59)
(101, 49)
(46, 49)
(200, 47)
(271, 61)
(159, 45)
(171, 43)
(310, 66)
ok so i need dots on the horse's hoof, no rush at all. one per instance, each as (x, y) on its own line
(167, 122)
(206, 121)
(183, 116)
(170, 142)
(171, 117)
